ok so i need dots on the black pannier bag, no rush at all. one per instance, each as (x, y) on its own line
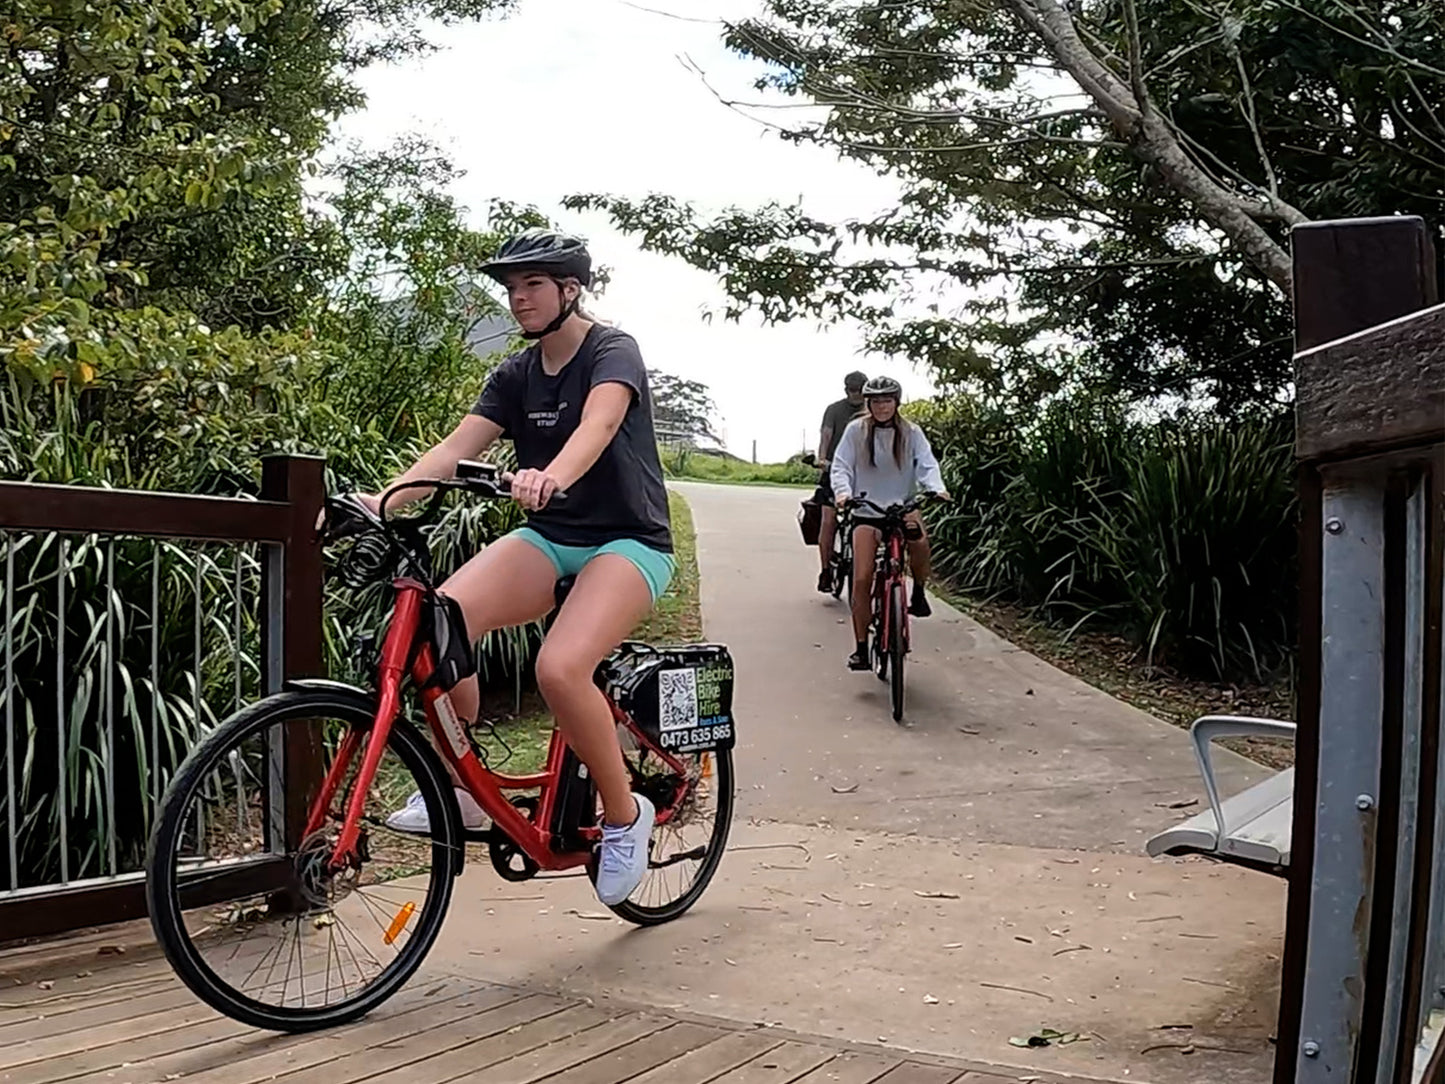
(681, 697)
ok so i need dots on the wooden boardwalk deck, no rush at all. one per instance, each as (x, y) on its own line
(105, 1007)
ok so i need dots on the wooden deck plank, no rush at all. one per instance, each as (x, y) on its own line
(377, 1044)
(713, 1060)
(851, 1068)
(212, 1041)
(174, 1009)
(785, 1063)
(637, 1057)
(165, 998)
(56, 1001)
(533, 1060)
(912, 1072)
(82, 981)
(137, 1053)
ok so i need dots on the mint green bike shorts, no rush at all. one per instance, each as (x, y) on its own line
(656, 567)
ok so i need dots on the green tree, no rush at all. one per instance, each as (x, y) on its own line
(682, 410)
(1110, 182)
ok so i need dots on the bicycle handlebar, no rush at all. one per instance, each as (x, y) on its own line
(896, 510)
(346, 517)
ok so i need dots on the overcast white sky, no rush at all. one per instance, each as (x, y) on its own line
(589, 95)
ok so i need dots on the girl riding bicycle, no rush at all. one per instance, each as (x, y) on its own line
(577, 407)
(886, 458)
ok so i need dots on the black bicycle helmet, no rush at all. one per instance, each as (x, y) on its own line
(557, 254)
(883, 386)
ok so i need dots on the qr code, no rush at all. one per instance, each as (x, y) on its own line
(677, 699)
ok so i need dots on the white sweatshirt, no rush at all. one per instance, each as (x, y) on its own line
(887, 482)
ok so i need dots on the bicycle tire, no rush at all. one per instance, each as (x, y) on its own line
(897, 647)
(717, 843)
(162, 892)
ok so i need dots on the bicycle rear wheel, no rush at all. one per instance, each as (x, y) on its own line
(684, 853)
(252, 919)
(897, 645)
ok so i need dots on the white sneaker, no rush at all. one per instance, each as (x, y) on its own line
(622, 862)
(412, 817)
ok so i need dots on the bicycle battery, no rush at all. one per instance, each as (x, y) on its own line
(576, 805)
(681, 697)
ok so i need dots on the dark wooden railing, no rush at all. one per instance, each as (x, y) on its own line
(282, 526)
(1364, 960)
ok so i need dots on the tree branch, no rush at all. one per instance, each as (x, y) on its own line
(1136, 58)
(1155, 143)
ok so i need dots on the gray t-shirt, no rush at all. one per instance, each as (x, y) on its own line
(836, 418)
(623, 494)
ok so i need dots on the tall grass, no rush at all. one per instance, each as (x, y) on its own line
(1178, 534)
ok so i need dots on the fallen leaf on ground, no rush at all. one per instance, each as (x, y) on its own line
(45, 984)
(593, 916)
(1184, 803)
(1047, 1037)
(935, 895)
(845, 790)
(929, 999)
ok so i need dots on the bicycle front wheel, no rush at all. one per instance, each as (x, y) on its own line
(254, 919)
(897, 646)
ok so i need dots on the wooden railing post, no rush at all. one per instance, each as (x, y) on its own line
(292, 644)
(1370, 415)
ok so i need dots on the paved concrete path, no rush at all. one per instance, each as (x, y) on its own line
(939, 887)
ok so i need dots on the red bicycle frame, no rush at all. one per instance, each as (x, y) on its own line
(533, 836)
(894, 562)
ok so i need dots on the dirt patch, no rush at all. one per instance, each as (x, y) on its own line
(1112, 664)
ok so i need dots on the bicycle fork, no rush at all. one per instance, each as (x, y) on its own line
(395, 650)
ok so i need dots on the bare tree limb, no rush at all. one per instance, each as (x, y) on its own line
(1136, 58)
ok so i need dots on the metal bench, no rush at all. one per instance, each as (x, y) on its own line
(1256, 823)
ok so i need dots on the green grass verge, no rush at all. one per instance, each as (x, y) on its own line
(698, 467)
(677, 618)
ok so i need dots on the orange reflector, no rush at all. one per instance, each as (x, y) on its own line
(707, 765)
(399, 922)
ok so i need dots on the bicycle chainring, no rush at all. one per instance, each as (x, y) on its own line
(508, 859)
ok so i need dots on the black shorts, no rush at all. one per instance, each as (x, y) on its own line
(824, 493)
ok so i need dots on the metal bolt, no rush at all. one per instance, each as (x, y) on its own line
(1334, 525)
(1364, 801)
(1311, 1048)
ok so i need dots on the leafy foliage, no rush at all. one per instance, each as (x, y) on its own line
(172, 308)
(1181, 535)
(1109, 189)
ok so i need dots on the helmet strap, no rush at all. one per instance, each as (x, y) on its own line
(568, 308)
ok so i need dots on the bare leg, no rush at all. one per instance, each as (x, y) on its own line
(826, 533)
(511, 582)
(865, 547)
(610, 598)
(918, 554)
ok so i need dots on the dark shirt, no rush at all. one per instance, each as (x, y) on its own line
(836, 419)
(623, 494)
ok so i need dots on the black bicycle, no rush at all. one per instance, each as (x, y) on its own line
(840, 563)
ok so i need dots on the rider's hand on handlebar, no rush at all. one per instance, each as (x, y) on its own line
(532, 489)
